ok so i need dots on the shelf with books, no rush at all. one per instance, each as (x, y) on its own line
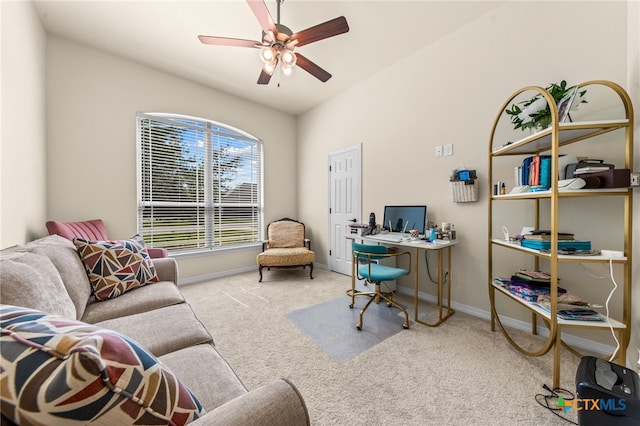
(564, 258)
(543, 207)
(597, 192)
(539, 310)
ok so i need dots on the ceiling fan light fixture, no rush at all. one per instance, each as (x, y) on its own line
(269, 67)
(286, 69)
(288, 57)
(268, 54)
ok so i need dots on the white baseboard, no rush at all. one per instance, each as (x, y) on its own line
(574, 341)
(215, 275)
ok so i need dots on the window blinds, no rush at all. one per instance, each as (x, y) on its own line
(199, 184)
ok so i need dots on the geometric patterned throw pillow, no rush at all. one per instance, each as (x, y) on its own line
(115, 267)
(57, 371)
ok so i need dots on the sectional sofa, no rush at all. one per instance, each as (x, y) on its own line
(100, 333)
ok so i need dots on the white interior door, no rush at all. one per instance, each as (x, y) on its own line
(345, 204)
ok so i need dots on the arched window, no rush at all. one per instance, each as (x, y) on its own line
(199, 184)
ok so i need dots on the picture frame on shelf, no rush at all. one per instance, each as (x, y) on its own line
(564, 105)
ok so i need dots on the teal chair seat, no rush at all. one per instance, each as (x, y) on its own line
(367, 258)
(376, 272)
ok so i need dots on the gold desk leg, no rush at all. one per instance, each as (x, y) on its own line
(441, 317)
(352, 292)
(415, 287)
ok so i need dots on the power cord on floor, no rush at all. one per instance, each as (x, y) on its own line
(550, 400)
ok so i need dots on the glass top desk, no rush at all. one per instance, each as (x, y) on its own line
(443, 247)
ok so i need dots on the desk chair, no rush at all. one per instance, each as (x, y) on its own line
(365, 258)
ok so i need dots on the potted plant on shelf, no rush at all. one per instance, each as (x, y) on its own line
(535, 113)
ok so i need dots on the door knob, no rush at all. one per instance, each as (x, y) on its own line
(353, 220)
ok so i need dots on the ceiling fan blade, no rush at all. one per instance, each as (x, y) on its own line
(264, 18)
(264, 78)
(312, 68)
(320, 32)
(224, 41)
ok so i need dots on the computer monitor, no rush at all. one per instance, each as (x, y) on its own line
(405, 218)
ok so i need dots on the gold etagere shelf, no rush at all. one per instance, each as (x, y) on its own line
(549, 141)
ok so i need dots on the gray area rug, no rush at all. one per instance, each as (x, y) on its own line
(332, 325)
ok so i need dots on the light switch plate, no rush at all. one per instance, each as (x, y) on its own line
(439, 151)
(448, 149)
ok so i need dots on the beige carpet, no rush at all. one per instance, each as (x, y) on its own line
(460, 373)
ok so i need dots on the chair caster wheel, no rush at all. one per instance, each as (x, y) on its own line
(405, 326)
(359, 326)
(388, 305)
(351, 306)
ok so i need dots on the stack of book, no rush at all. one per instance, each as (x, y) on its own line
(527, 285)
(541, 240)
(575, 314)
(534, 171)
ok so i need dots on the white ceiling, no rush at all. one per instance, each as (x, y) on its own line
(163, 34)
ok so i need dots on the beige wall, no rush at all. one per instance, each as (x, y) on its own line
(22, 141)
(451, 92)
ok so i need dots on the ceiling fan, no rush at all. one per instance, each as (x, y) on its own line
(278, 42)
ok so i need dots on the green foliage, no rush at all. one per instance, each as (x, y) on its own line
(535, 113)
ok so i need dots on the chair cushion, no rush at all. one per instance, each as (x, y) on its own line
(285, 234)
(380, 272)
(58, 371)
(286, 257)
(115, 267)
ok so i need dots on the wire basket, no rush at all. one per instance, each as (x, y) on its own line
(464, 191)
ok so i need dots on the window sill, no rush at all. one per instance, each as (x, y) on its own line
(212, 252)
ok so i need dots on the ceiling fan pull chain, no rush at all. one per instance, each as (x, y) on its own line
(278, 76)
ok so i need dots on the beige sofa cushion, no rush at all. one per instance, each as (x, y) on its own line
(162, 330)
(65, 258)
(31, 280)
(142, 299)
(223, 384)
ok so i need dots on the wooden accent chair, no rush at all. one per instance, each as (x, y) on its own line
(286, 247)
